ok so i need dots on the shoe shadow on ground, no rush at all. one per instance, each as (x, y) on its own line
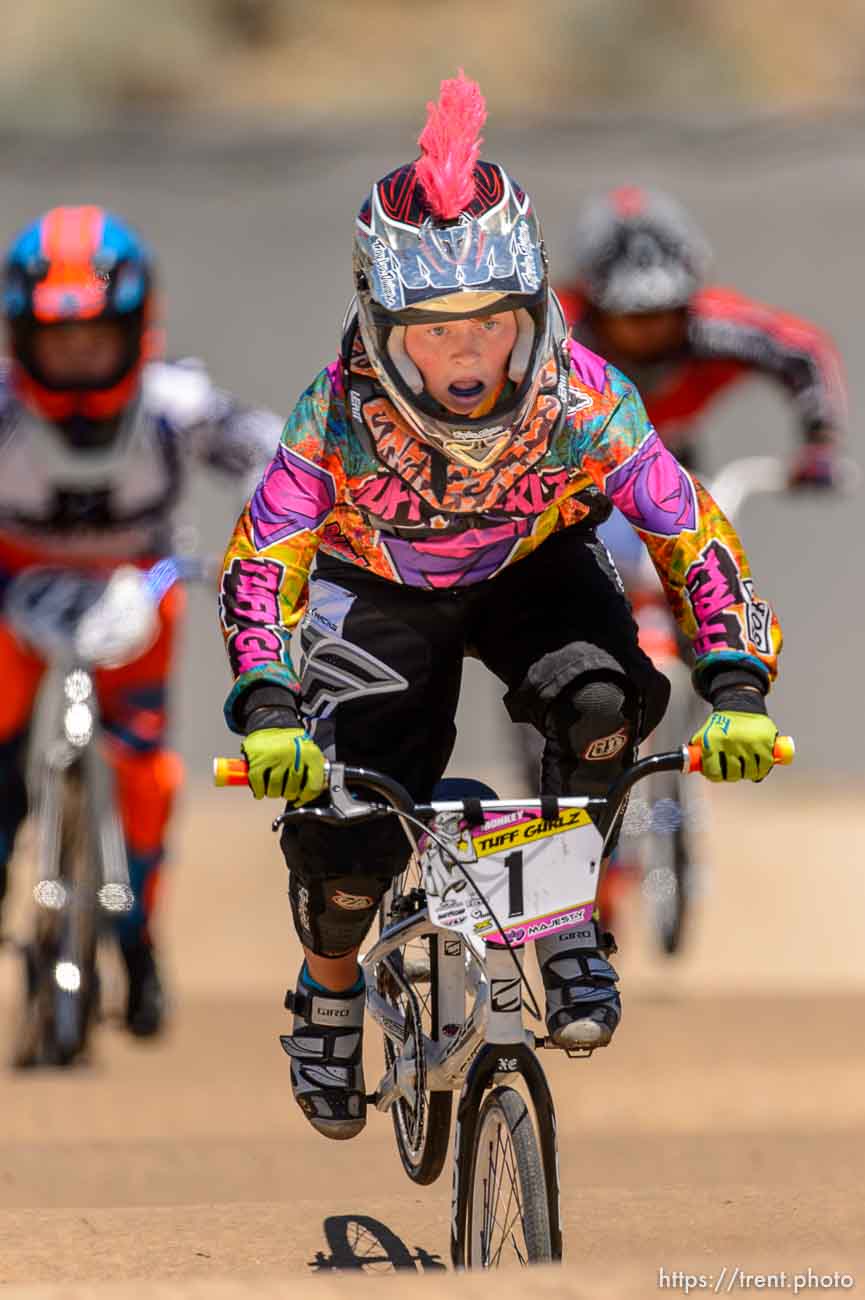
(364, 1244)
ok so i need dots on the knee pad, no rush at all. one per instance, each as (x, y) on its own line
(591, 732)
(333, 914)
(593, 719)
(328, 851)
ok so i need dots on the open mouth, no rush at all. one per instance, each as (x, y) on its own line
(466, 390)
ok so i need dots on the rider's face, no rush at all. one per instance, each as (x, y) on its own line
(79, 352)
(463, 362)
(647, 336)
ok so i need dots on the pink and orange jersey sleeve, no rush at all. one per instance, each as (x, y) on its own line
(695, 550)
(267, 563)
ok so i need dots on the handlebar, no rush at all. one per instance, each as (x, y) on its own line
(343, 808)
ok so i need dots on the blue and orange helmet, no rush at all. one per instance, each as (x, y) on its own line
(78, 264)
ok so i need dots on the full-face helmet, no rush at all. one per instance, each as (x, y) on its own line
(638, 251)
(77, 265)
(446, 237)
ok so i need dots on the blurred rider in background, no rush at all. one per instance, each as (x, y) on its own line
(637, 295)
(97, 438)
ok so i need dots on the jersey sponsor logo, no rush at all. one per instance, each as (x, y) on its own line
(606, 747)
(571, 398)
(758, 617)
(352, 902)
(249, 605)
(529, 831)
(714, 589)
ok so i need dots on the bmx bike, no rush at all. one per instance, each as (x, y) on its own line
(445, 984)
(76, 622)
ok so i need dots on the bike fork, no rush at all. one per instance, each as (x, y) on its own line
(509, 1049)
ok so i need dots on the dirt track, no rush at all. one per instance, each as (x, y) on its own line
(725, 1127)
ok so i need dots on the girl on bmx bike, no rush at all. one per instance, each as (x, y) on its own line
(437, 490)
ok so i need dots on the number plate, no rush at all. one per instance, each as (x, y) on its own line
(537, 877)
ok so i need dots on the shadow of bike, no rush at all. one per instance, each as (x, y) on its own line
(366, 1245)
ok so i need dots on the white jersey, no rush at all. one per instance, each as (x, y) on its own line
(119, 502)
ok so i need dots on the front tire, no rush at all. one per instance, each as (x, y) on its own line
(60, 996)
(508, 1217)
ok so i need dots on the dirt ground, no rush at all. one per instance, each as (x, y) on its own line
(725, 1127)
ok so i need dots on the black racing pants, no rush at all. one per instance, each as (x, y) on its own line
(381, 672)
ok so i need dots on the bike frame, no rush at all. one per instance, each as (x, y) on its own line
(76, 742)
(73, 791)
(496, 1016)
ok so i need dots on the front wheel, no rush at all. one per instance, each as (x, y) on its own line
(508, 1219)
(59, 1004)
(60, 997)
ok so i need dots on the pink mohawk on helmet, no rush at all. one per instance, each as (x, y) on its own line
(450, 143)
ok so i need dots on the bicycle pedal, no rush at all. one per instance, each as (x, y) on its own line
(574, 1053)
(372, 1098)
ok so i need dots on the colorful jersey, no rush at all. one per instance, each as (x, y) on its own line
(102, 506)
(729, 338)
(349, 478)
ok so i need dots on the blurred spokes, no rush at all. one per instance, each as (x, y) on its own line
(50, 894)
(116, 897)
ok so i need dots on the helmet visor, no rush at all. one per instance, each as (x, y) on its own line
(429, 262)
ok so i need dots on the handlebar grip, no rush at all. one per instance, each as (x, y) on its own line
(230, 771)
(783, 754)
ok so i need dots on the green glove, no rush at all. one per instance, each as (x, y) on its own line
(284, 763)
(736, 746)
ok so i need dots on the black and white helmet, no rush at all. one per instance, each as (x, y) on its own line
(638, 251)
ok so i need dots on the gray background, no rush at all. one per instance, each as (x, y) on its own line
(253, 234)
